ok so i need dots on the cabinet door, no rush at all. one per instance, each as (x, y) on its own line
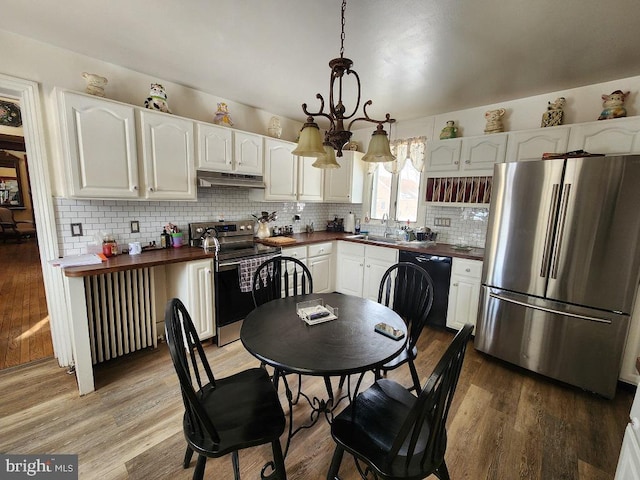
(350, 274)
(464, 294)
(320, 268)
(530, 145)
(345, 184)
(481, 153)
(99, 139)
(280, 170)
(377, 260)
(629, 461)
(310, 180)
(443, 155)
(214, 148)
(247, 148)
(617, 136)
(200, 274)
(167, 152)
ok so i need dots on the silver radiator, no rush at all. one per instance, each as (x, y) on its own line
(121, 313)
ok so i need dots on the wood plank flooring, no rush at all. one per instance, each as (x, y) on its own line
(25, 334)
(505, 423)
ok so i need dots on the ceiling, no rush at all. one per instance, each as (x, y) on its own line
(414, 57)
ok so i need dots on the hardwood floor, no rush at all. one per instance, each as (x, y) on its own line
(25, 334)
(505, 423)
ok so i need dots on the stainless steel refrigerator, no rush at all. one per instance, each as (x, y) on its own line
(561, 267)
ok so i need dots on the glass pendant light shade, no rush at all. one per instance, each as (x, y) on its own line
(379, 150)
(310, 142)
(328, 160)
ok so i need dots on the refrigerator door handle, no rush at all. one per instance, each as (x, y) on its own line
(546, 253)
(566, 190)
(549, 310)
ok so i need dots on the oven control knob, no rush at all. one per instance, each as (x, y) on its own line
(199, 230)
(249, 227)
(241, 227)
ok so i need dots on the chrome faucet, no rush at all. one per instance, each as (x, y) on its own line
(385, 221)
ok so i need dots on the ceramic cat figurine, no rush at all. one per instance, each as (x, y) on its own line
(157, 99)
(222, 116)
(614, 105)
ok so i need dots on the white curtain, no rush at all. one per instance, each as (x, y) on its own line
(412, 149)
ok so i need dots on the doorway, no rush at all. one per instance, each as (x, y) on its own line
(25, 333)
(52, 293)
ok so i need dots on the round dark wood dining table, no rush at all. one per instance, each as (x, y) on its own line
(276, 335)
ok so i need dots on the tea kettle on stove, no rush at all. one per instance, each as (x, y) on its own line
(210, 241)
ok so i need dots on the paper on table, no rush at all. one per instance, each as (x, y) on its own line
(78, 260)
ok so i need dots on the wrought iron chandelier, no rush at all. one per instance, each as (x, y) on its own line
(311, 144)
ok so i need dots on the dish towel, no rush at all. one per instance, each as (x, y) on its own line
(248, 267)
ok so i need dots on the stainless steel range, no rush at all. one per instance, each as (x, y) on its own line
(236, 254)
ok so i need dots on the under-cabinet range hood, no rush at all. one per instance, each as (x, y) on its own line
(221, 179)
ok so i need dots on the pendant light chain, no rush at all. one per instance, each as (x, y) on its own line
(344, 7)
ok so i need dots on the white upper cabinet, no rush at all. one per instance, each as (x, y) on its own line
(479, 154)
(109, 155)
(167, 153)
(247, 149)
(214, 148)
(345, 184)
(288, 177)
(465, 156)
(310, 180)
(617, 136)
(531, 144)
(280, 170)
(99, 147)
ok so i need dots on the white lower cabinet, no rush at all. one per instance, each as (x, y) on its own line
(320, 263)
(361, 267)
(629, 461)
(192, 283)
(318, 257)
(464, 292)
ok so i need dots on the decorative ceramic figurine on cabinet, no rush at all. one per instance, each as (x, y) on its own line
(274, 130)
(222, 116)
(449, 131)
(494, 121)
(614, 105)
(157, 99)
(554, 114)
(95, 84)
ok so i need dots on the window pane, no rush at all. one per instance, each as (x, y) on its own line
(408, 191)
(381, 193)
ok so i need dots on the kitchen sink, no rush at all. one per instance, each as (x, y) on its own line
(375, 238)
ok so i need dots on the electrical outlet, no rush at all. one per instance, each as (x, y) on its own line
(135, 226)
(442, 222)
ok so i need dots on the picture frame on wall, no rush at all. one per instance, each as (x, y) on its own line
(10, 114)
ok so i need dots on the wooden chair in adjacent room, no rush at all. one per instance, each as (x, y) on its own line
(395, 434)
(408, 290)
(222, 415)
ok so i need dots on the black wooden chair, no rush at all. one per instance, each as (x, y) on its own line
(408, 290)
(396, 434)
(222, 415)
(280, 277)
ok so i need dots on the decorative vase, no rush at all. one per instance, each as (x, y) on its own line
(275, 130)
(263, 230)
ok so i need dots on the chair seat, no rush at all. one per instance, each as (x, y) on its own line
(245, 410)
(373, 421)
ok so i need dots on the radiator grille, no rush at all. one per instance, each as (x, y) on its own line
(121, 313)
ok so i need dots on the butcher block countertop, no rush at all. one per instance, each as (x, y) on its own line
(145, 259)
(442, 249)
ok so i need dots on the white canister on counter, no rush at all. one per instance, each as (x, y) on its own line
(350, 223)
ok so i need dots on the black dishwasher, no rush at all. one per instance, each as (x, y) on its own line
(439, 268)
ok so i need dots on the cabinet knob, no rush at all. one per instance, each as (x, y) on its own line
(368, 266)
(635, 423)
(455, 284)
(467, 270)
(135, 187)
(467, 162)
(151, 189)
(456, 162)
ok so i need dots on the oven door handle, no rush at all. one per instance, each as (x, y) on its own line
(223, 267)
